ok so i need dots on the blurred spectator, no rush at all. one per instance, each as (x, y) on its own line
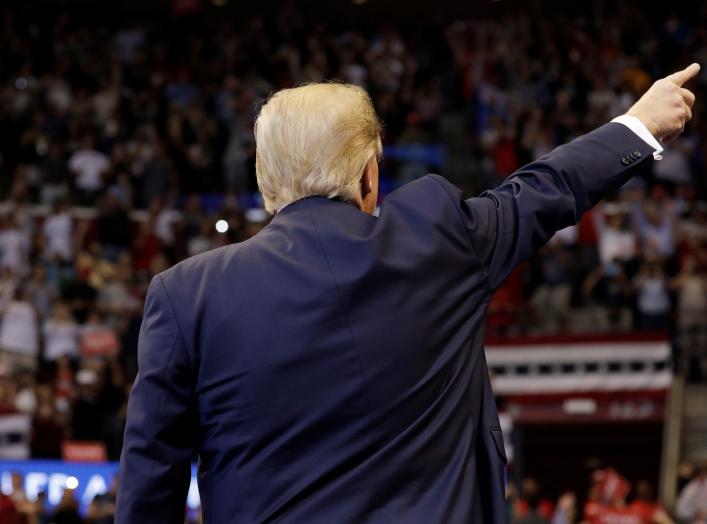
(55, 180)
(646, 506)
(691, 287)
(25, 396)
(656, 230)
(114, 299)
(165, 220)
(675, 165)
(88, 417)
(566, 509)
(115, 428)
(147, 245)
(19, 337)
(8, 287)
(61, 333)
(112, 393)
(40, 513)
(102, 507)
(616, 241)
(58, 233)
(23, 506)
(14, 247)
(64, 384)
(608, 286)
(47, 426)
(89, 168)
(686, 472)
(507, 305)
(610, 503)
(532, 508)
(692, 501)
(203, 240)
(652, 300)
(80, 294)
(8, 512)
(40, 292)
(551, 300)
(114, 228)
(67, 511)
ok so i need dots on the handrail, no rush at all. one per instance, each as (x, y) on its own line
(672, 433)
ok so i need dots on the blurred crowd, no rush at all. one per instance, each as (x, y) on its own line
(17, 507)
(122, 146)
(612, 499)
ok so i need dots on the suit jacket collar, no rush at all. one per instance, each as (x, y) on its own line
(315, 201)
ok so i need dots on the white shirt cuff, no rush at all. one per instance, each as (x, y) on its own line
(638, 127)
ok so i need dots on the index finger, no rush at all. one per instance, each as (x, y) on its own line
(686, 74)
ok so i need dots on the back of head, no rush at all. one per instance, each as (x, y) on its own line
(702, 471)
(314, 140)
(644, 490)
(531, 492)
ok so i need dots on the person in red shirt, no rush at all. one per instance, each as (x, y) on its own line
(608, 506)
(8, 513)
(645, 505)
(532, 502)
(592, 505)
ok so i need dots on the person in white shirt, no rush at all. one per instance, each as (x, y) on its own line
(652, 297)
(89, 167)
(61, 334)
(692, 502)
(615, 241)
(19, 337)
(14, 247)
(656, 228)
(58, 231)
(166, 218)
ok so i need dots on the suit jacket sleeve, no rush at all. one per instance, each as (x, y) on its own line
(509, 223)
(159, 438)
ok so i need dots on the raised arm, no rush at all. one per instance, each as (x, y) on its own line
(160, 434)
(509, 223)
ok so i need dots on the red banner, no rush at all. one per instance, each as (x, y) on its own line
(73, 451)
(102, 342)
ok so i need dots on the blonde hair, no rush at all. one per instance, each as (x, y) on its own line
(314, 139)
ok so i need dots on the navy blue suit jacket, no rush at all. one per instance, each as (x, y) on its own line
(331, 368)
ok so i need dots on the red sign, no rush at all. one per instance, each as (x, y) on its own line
(74, 451)
(102, 342)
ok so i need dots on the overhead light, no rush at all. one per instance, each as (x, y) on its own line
(72, 483)
(221, 226)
